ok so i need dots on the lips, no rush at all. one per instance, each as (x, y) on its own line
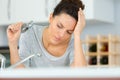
(57, 38)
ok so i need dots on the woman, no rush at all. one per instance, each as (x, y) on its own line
(54, 43)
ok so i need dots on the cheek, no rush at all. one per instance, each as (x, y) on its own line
(66, 37)
(53, 29)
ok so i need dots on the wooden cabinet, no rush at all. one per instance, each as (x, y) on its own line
(99, 10)
(3, 11)
(103, 51)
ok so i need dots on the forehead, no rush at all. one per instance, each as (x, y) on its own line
(66, 20)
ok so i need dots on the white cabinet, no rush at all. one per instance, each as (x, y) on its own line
(12, 11)
(50, 5)
(36, 10)
(3, 11)
(26, 10)
(99, 10)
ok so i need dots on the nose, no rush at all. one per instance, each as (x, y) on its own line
(62, 33)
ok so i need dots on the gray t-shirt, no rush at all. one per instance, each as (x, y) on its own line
(31, 43)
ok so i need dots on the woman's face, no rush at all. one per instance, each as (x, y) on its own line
(60, 29)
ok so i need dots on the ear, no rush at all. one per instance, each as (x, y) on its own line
(51, 18)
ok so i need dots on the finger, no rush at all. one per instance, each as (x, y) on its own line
(78, 15)
(81, 12)
(15, 27)
(12, 29)
(18, 26)
(81, 16)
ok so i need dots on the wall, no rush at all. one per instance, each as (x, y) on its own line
(104, 29)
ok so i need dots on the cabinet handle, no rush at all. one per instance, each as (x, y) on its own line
(9, 9)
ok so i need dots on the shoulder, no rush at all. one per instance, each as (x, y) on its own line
(37, 28)
(31, 30)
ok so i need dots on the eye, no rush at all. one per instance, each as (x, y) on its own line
(70, 32)
(59, 26)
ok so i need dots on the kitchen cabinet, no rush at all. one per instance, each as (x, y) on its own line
(3, 11)
(36, 10)
(26, 10)
(13, 11)
(50, 5)
(99, 10)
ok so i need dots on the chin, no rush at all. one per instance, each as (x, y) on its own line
(55, 42)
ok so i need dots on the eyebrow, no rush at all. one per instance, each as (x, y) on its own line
(63, 26)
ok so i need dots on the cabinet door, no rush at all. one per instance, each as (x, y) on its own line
(96, 11)
(3, 11)
(27, 10)
(50, 5)
(99, 10)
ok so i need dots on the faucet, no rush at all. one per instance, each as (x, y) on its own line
(2, 62)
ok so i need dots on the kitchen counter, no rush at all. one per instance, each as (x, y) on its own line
(61, 74)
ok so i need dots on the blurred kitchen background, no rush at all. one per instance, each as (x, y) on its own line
(102, 18)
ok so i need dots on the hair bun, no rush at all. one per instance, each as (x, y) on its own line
(69, 0)
(76, 2)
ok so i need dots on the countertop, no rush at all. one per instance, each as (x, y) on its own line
(83, 73)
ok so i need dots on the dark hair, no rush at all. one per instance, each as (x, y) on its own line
(71, 7)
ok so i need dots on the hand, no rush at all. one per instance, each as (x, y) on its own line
(81, 23)
(13, 32)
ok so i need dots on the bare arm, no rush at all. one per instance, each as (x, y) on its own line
(79, 58)
(13, 33)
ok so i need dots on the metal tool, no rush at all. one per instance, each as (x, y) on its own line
(26, 26)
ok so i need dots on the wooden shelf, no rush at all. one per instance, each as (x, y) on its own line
(91, 41)
(102, 48)
(115, 54)
(101, 41)
(91, 54)
(103, 53)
